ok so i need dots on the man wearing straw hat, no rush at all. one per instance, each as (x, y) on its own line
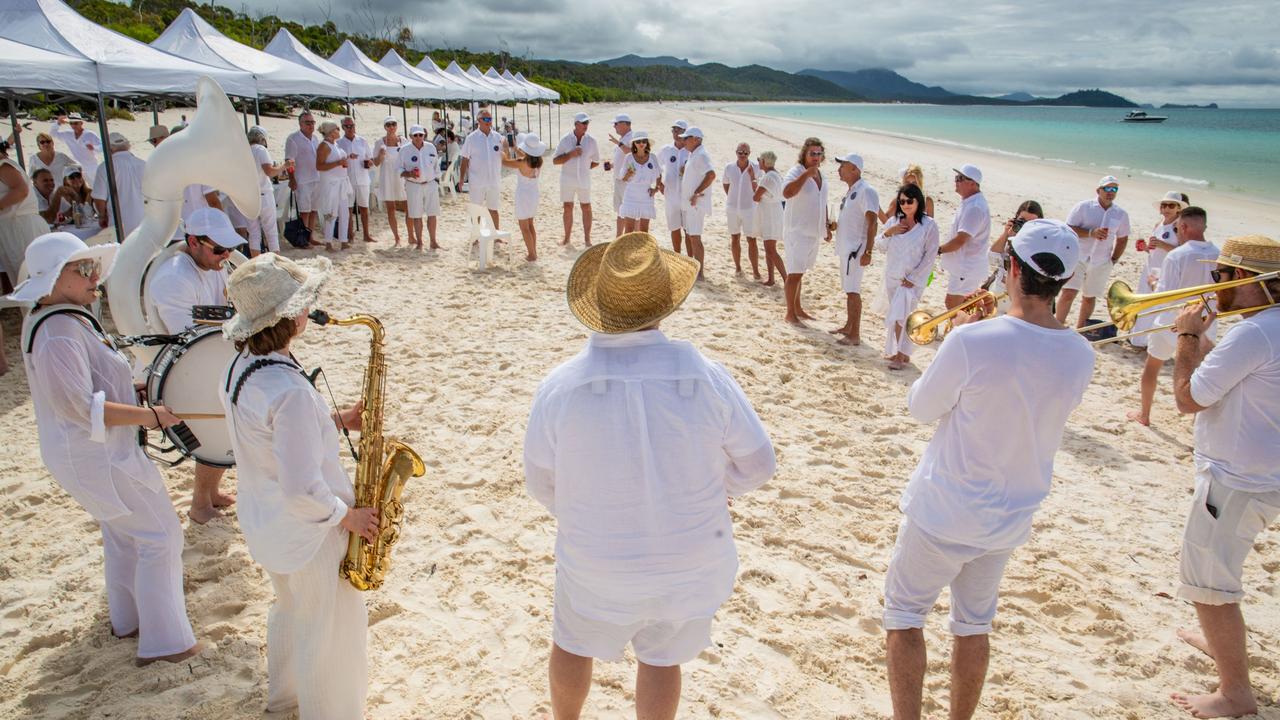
(635, 447)
(1234, 389)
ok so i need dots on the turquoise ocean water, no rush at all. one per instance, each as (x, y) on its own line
(1226, 150)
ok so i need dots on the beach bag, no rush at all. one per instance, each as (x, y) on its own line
(295, 231)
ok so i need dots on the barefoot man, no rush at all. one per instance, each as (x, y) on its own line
(974, 494)
(672, 159)
(856, 226)
(1234, 389)
(637, 466)
(577, 155)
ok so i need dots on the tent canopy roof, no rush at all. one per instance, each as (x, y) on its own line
(25, 69)
(285, 45)
(349, 57)
(457, 89)
(483, 91)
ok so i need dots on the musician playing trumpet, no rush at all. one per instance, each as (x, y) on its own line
(296, 500)
(1234, 389)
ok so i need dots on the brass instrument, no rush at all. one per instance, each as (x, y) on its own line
(384, 466)
(923, 329)
(1125, 306)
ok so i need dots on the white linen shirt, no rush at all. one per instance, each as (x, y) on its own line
(634, 446)
(292, 487)
(622, 150)
(356, 171)
(84, 149)
(128, 169)
(426, 159)
(73, 373)
(851, 223)
(1183, 267)
(302, 151)
(576, 172)
(740, 196)
(1239, 385)
(1003, 389)
(261, 156)
(484, 158)
(696, 168)
(671, 159)
(1090, 215)
(973, 217)
(178, 285)
(805, 213)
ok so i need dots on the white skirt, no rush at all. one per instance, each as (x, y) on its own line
(16, 233)
(638, 209)
(768, 221)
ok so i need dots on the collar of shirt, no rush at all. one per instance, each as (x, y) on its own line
(631, 339)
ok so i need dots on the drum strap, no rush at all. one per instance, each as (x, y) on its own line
(62, 310)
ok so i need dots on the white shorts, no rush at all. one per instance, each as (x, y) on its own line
(656, 642)
(1214, 548)
(851, 269)
(799, 254)
(692, 219)
(489, 196)
(361, 195)
(307, 196)
(963, 283)
(619, 188)
(423, 199)
(921, 565)
(675, 218)
(741, 221)
(1161, 344)
(573, 193)
(1090, 280)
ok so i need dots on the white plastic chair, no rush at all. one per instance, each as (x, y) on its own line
(483, 234)
(449, 179)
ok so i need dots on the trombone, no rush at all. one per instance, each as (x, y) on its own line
(923, 329)
(1125, 306)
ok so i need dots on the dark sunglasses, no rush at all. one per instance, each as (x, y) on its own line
(1170, 206)
(817, 153)
(214, 247)
(743, 154)
(345, 127)
(961, 178)
(45, 142)
(1111, 188)
(906, 201)
(1221, 275)
(486, 119)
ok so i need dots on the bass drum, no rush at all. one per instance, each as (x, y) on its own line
(186, 377)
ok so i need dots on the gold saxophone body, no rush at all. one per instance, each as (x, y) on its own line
(384, 466)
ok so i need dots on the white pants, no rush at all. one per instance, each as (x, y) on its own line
(142, 556)
(898, 302)
(317, 659)
(265, 224)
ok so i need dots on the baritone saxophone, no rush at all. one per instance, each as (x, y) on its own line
(383, 467)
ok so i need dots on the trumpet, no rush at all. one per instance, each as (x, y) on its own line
(1125, 306)
(923, 329)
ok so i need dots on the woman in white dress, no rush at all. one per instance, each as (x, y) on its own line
(910, 242)
(642, 177)
(768, 219)
(386, 157)
(46, 157)
(335, 191)
(265, 224)
(20, 220)
(1163, 238)
(528, 166)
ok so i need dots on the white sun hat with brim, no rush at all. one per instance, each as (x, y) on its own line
(49, 253)
(1173, 196)
(271, 287)
(531, 145)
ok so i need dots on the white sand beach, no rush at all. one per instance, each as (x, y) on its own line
(462, 628)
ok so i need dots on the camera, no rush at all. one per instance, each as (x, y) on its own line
(1016, 224)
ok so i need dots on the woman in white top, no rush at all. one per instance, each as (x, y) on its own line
(804, 221)
(768, 219)
(20, 220)
(335, 191)
(46, 157)
(265, 224)
(1163, 238)
(87, 417)
(641, 177)
(911, 175)
(910, 241)
(296, 502)
(386, 157)
(998, 253)
(528, 166)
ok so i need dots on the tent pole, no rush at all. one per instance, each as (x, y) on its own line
(404, 116)
(256, 119)
(155, 112)
(17, 141)
(113, 198)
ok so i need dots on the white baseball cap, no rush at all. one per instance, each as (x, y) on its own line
(46, 256)
(970, 171)
(1111, 180)
(622, 117)
(582, 118)
(215, 225)
(692, 132)
(1048, 236)
(853, 159)
(682, 124)
(388, 120)
(70, 170)
(417, 130)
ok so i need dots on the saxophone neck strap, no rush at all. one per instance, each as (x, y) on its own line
(259, 364)
(53, 310)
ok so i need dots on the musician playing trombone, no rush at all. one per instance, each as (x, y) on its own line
(1001, 390)
(1234, 389)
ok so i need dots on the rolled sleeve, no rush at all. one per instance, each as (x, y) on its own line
(1240, 353)
(295, 427)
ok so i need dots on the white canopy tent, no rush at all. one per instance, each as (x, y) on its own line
(483, 91)
(285, 45)
(521, 92)
(498, 88)
(416, 87)
(25, 70)
(428, 68)
(191, 36)
(546, 92)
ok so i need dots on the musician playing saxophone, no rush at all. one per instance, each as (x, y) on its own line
(296, 500)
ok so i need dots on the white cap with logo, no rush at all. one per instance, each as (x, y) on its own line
(853, 159)
(1048, 236)
(1110, 180)
(417, 130)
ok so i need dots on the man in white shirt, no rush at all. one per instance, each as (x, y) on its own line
(637, 464)
(482, 154)
(577, 155)
(127, 169)
(964, 255)
(856, 226)
(196, 276)
(359, 160)
(1190, 266)
(1234, 389)
(304, 179)
(672, 158)
(83, 144)
(1103, 227)
(804, 222)
(973, 497)
(622, 146)
(740, 205)
(420, 168)
(695, 201)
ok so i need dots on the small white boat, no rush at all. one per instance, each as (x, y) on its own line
(1138, 116)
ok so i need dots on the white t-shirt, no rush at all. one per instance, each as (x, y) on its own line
(484, 158)
(356, 171)
(1183, 268)
(1003, 389)
(1239, 385)
(261, 157)
(302, 151)
(740, 196)
(671, 159)
(576, 172)
(805, 213)
(851, 227)
(646, 175)
(426, 159)
(178, 285)
(695, 169)
(974, 218)
(1090, 215)
(128, 169)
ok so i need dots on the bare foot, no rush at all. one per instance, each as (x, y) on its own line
(805, 315)
(434, 246)
(769, 283)
(896, 364)
(588, 243)
(757, 276)
(1195, 640)
(530, 258)
(842, 330)
(792, 319)
(849, 340)
(223, 500)
(369, 239)
(190, 652)
(566, 242)
(202, 515)
(1141, 419)
(1215, 705)
(397, 243)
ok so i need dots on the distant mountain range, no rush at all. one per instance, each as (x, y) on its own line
(637, 61)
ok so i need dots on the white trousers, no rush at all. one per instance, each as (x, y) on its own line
(142, 556)
(265, 224)
(316, 640)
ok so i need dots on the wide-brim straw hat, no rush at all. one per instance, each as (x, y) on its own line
(1173, 196)
(628, 284)
(271, 287)
(1255, 253)
(48, 254)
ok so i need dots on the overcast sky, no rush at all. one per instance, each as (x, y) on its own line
(1147, 50)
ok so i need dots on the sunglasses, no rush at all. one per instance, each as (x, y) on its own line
(1170, 206)
(743, 154)
(348, 127)
(906, 201)
(45, 142)
(1111, 188)
(1221, 275)
(961, 178)
(214, 247)
(418, 135)
(817, 153)
(486, 119)
(88, 268)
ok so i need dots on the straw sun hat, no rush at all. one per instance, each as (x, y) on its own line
(1255, 253)
(628, 284)
(271, 287)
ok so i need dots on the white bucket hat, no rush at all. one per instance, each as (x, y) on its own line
(531, 145)
(49, 253)
(271, 287)
(1173, 196)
